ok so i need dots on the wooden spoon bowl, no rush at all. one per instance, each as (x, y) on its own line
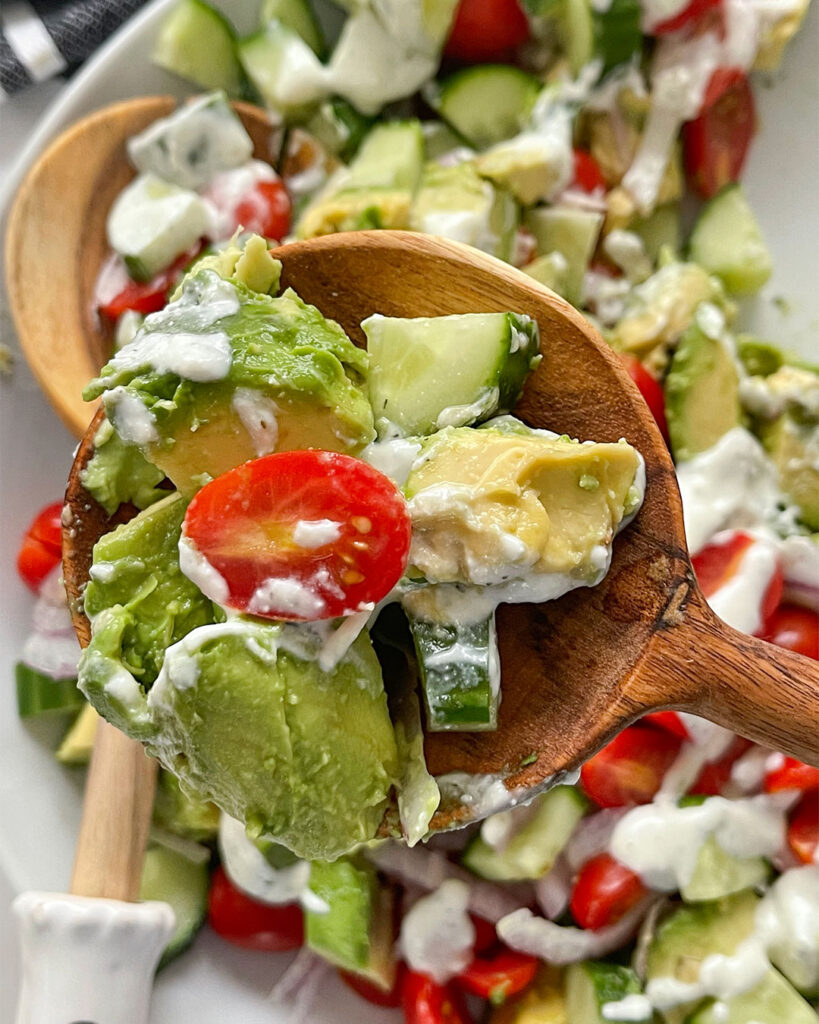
(576, 670)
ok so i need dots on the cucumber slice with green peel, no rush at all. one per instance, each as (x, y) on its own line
(169, 876)
(549, 270)
(592, 984)
(300, 16)
(719, 874)
(391, 156)
(197, 42)
(772, 1001)
(487, 104)
(571, 232)
(39, 694)
(460, 673)
(533, 850)
(78, 742)
(617, 34)
(660, 230)
(431, 372)
(439, 138)
(287, 74)
(355, 932)
(727, 241)
(339, 127)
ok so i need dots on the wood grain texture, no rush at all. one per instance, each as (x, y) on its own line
(576, 670)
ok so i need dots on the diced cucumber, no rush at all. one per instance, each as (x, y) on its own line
(300, 16)
(571, 232)
(198, 42)
(577, 33)
(152, 222)
(78, 742)
(459, 667)
(718, 873)
(661, 229)
(355, 932)
(391, 156)
(193, 144)
(488, 103)
(339, 127)
(288, 75)
(39, 694)
(772, 1001)
(171, 877)
(617, 34)
(549, 270)
(439, 138)
(592, 984)
(431, 372)
(532, 851)
(727, 241)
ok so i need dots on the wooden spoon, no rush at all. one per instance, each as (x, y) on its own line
(576, 670)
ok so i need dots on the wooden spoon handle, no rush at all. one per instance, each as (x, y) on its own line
(764, 692)
(116, 817)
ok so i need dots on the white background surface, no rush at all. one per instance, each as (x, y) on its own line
(39, 800)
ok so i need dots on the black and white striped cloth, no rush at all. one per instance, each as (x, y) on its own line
(43, 38)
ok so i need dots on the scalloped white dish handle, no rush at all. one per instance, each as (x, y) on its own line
(86, 960)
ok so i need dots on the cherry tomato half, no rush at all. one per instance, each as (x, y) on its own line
(587, 173)
(266, 210)
(41, 547)
(668, 720)
(689, 15)
(716, 143)
(485, 30)
(716, 775)
(651, 390)
(803, 828)
(604, 891)
(501, 976)
(140, 296)
(302, 535)
(249, 923)
(485, 935)
(718, 562)
(427, 1002)
(795, 628)
(792, 774)
(372, 993)
(630, 769)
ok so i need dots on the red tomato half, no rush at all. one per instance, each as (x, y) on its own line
(716, 143)
(605, 890)
(427, 1002)
(485, 935)
(266, 210)
(41, 547)
(486, 30)
(630, 769)
(651, 390)
(668, 720)
(372, 993)
(792, 774)
(587, 173)
(803, 827)
(689, 15)
(140, 296)
(718, 562)
(504, 975)
(795, 628)
(716, 775)
(249, 923)
(302, 535)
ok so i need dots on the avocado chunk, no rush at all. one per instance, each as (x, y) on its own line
(532, 166)
(529, 504)
(794, 447)
(456, 203)
(118, 473)
(542, 1002)
(431, 372)
(243, 715)
(772, 1001)
(224, 374)
(572, 233)
(701, 393)
(139, 603)
(78, 742)
(355, 932)
(183, 813)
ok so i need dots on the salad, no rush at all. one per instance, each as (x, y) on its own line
(677, 878)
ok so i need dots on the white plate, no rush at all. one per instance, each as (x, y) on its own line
(39, 800)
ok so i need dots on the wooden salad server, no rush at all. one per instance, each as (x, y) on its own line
(89, 955)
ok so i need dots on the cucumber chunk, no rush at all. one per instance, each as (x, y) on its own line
(727, 242)
(487, 104)
(460, 673)
(592, 984)
(39, 694)
(391, 156)
(152, 222)
(535, 847)
(171, 877)
(572, 233)
(772, 1001)
(299, 16)
(197, 42)
(431, 372)
(283, 68)
(719, 874)
(339, 127)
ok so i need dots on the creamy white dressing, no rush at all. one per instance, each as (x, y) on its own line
(248, 868)
(227, 189)
(280, 594)
(740, 600)
(258, 415)
(634, 1007)
(627, 251)
(121, 686)
(462, 415)
(394, 458)
(201, 572)
(315, 533)
(470, 227)
(437, 933)
(133, 421)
